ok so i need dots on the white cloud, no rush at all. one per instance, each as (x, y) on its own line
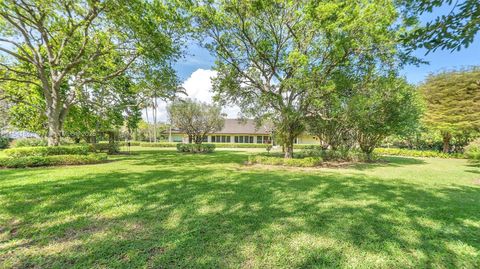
(198, 86)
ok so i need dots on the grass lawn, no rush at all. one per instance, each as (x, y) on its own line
(160, 209)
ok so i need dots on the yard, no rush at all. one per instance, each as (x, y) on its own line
(162, 209)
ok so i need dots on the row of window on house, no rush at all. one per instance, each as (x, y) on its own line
(241, 139)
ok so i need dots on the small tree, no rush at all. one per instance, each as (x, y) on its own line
(196, 119)
(388, 106)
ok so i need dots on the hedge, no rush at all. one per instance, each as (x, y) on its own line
(105, 147)
(304, 162)
(47, 151)
(195, 148)
(36, 161)
(417, 153)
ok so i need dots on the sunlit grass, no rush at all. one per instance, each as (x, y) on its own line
(158, 209)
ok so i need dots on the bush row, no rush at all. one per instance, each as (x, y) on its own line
(195, 148)
(417, 153)
(172, 145)
(272, 160)
(47, 151)
(36, 161)
(105, 147)
(218, 145)
(334, 155)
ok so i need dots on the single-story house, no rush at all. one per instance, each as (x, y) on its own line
(242, 131)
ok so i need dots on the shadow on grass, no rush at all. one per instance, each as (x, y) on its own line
(389, 161)
(171, 157)
(206, 217)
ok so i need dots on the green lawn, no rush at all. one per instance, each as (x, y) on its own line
(160, 209)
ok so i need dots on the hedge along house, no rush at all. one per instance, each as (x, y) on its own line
(242, 131)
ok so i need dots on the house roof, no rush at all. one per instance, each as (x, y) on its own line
(236, 126)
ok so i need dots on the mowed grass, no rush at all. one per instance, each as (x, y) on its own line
(161, 209)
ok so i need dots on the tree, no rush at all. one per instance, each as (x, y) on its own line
(453, 31)
(58, 46)
(453, 104)
(387, 106)
(328, 118)
(272, 54)
(196, 119)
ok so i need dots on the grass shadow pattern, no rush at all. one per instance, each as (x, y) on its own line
(170, 210)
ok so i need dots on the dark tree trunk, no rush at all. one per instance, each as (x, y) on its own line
(447, 137)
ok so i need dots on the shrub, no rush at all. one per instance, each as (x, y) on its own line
(195, 148)
(416, 153)
(29, 142)
(472, 151)
(268, 148)
(36, 161)
(158, 145)
(4, 141)
(105, 147)
(304, 162)
(333, 155)
(47, 151)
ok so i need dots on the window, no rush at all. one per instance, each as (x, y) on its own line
(224, 139)
(228, 139)
(236, 139)
(241, 139)
(205, 138)
(251, 139)
(259, 140)
(213, 138)
(267, 139)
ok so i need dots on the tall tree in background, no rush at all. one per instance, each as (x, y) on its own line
(272, 54)
(196, 119)
(58, 46)
(452, 31)
(453, 104)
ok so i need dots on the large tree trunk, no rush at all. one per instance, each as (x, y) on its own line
(56, 112)
(446, 142)
(289, 148)
(54, 123)
(54, 132)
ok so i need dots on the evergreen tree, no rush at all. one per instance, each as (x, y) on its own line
(453, 104)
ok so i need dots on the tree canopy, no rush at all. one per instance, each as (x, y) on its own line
(62, 47)
(453, 31)
(453, 103)
(196, 119)
(275, 57)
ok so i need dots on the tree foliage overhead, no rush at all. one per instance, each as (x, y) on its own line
(63, 46)
(453, 103)
(196, 119)
(452, 31)
(272, 54)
